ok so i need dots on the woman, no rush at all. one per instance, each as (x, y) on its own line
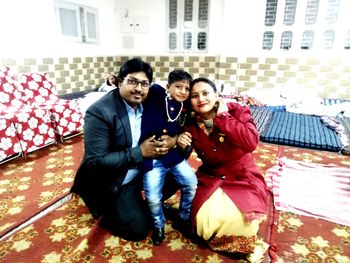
(231, 198)
(110, 83)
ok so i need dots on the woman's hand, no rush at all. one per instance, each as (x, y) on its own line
(184, 140)
(222, 106)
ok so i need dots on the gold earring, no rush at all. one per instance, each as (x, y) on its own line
(216, 106)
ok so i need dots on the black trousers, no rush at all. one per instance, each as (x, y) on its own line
(127, 213)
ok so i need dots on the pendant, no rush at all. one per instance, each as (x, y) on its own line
(222, 137)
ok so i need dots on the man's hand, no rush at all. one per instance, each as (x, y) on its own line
(154, 148)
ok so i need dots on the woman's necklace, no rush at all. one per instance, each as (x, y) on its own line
(167, 110)
(208, 123)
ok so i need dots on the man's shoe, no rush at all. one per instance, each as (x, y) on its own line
(184, 227)
(158, 236)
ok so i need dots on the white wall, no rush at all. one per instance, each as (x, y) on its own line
(29, 29)
(21, 28)
(152, 41)
(243, 27)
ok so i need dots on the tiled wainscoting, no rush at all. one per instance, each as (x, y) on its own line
(328, 78)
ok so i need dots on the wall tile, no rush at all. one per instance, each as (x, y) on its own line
(327, 78)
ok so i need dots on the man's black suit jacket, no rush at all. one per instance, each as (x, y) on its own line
(108, 152)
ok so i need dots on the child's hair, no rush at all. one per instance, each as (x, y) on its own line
(179, 75)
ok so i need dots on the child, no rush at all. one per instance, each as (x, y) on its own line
(163, 114)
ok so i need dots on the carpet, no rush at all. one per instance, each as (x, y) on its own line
(70, 234)
(33, 183)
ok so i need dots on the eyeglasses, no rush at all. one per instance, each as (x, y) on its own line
(134, 83)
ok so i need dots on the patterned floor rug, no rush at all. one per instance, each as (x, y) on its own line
(70, 234)
(31, 184)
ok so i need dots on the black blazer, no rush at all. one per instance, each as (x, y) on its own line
(108, 152)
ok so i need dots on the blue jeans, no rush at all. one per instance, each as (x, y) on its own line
(153, 182)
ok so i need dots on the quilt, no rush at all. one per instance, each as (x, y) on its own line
(300, 130)
(293, 186)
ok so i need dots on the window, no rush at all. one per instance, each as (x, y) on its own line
(187, 25)
(308, 39)
(306, 25)
(77, 22)
(347, 41)
(286, 40)
(268, 40)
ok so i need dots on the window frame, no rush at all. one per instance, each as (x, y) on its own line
(187, 27)
(81, 14)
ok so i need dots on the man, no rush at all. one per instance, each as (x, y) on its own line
(108, 179)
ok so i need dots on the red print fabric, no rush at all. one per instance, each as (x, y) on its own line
(40, 91)
(24, 127)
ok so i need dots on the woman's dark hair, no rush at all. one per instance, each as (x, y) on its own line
(208, 81)
(179, 75)
(135, 65)
(109, 83)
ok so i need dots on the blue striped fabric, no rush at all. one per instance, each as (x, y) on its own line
(271, 108)
(301, 130)
(329, 102)
(262, 117)
(277, 108)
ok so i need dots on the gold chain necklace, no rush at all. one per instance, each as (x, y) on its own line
(167, 110)
(208, 123)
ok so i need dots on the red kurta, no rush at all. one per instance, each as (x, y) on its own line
(228, 162)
